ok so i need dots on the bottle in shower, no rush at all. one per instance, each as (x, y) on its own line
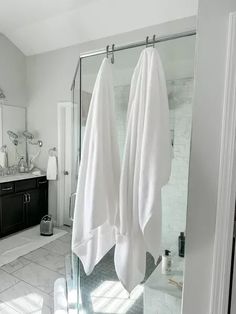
(181, 242)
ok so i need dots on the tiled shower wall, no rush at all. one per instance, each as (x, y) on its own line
(174, 194)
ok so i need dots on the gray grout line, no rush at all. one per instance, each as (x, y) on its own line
(33, 286)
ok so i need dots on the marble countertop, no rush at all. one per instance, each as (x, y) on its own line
(21, 176)
(159, 295)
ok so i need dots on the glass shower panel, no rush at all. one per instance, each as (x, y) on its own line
(101, 292)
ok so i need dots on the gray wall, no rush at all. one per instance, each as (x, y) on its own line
(204, 164)
(12, 73)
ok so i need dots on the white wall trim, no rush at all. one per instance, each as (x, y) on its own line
(62, 163)
(227, 184)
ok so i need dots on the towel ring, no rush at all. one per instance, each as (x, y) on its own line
(154, 40)
(52, 151)
(107, 50)
(147, 41)
(113, 57)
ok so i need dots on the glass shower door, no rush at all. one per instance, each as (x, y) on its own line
(101, 292)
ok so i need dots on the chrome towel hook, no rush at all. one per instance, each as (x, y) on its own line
(113, 56)
(154, 40)
(107, 50)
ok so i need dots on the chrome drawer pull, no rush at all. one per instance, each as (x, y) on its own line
(42, 182)
(7, 189)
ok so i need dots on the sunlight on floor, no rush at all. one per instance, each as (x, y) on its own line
(111, 298)
(24, 303)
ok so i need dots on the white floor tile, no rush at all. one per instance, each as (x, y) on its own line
(58, 247)
(66, 238)
(26, 299)
(6, 280)
(38, 276)
(44, 310)
(5, 309)
(44, 258)
(15, 265)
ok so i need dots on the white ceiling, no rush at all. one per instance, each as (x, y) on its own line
(37, 26)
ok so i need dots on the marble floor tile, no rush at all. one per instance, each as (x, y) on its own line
(15, 265)
(66, 228)
(44, 310)
(38, 276)
(66, 238)
(58, 247)
(6, 280)
(5, 309)
(47, 259)
(24, 299)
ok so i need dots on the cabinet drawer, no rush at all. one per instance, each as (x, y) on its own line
(24, 185)
(6, 188)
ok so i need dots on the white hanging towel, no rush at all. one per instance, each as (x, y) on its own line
(52, 168)
(96, 202)
(3, 159)
(146, 168)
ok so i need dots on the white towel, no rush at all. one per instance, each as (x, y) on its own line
(3, 159)
(96, 202)
(52, 168)
(146, 168)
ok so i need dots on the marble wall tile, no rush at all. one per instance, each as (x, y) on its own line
(174, 195)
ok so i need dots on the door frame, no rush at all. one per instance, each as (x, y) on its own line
(63, 217)
(227, 184)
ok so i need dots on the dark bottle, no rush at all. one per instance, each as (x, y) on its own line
(181, 244)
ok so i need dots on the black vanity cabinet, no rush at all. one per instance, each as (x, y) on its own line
(22, 204)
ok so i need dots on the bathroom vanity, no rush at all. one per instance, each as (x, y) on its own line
(23, 202)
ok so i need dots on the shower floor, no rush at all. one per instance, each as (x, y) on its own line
(101, 292)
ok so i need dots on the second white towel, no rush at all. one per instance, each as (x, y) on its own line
(52, 168)
(98, 183)
(145, 169)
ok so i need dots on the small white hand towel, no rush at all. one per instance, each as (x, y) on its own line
(146, 168)
(96, 202)
(52, 168)
(3, 159)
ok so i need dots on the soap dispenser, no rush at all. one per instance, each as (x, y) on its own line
(22, 165)
(166, 263)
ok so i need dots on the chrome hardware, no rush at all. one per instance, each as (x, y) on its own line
(43, 182)
(107, 51)
(71, 213)
(66, 173)
(154, 40)
(7, 189)
(27, 198)
(112, 56)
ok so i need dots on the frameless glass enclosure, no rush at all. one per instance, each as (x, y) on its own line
(101, 292)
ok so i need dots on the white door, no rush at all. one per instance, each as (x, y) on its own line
(65, 138)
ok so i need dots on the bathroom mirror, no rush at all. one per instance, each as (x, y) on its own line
(12, 124)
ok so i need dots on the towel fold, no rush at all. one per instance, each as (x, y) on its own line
(96, 202)
(52, 168)
(146, 168)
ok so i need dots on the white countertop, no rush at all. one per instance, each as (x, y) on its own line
(20, 176)
(159, 295)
